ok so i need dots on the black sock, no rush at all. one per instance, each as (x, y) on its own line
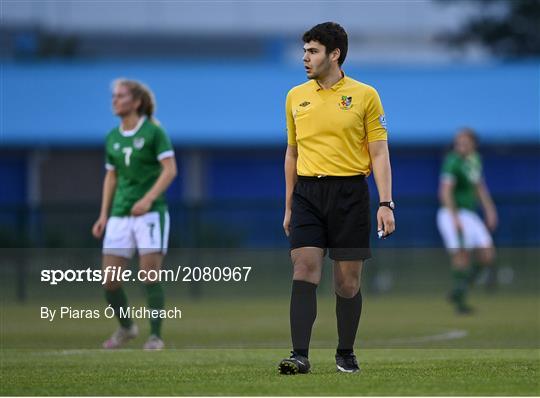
(348, 312)
(303, 314)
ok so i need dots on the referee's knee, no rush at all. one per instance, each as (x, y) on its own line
(304, 271)
(347, 288)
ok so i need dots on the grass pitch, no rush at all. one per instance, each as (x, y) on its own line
(254, 372)
(407, 345)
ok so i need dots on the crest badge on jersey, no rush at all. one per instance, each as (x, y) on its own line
(116, 146)
(138, 143)
(382, 120)
(345, 103)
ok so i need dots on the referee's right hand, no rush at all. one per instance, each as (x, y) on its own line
(287, 221)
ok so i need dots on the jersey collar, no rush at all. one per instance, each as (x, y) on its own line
(131, 133)
(336, 85)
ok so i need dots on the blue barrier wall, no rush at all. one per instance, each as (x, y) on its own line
(13, 188)
(236, 112)
(259, 174)
(242, 104)
(512, 174)
(244, 190)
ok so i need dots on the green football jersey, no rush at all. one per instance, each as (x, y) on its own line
(466, 174)
(136, 158)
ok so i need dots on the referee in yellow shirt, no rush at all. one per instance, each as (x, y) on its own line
(336, 135)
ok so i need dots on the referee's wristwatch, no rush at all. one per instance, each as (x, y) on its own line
(391, 205)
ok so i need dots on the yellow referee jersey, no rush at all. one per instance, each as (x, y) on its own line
(332, 127)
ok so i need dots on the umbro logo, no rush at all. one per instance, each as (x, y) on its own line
(305, 103)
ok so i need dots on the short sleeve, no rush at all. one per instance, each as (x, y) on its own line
(109, 160)
(448, 170)
(164, 148)
(291, 128)
(374, 118)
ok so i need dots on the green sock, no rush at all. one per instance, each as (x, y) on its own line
(117, 299)
(474, 271)
(156, 300)
(459, 292)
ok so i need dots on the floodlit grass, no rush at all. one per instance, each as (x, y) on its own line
(254, 372)
(407, 345)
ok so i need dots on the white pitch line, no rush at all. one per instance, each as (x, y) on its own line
(448, 335)
(80, 351)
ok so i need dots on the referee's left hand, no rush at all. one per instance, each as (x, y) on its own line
(385, 221)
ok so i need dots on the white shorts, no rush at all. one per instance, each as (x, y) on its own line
(475, 233)
(148, 233)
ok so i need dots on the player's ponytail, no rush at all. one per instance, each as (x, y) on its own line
(142, 92)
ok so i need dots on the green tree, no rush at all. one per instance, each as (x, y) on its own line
(508, 28)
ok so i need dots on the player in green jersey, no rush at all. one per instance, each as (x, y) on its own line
(462, 186)
(140, 166)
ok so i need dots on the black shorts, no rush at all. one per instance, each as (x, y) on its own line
(332, 212)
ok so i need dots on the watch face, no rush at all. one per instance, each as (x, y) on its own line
(392, 205)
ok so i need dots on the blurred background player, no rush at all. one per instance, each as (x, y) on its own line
(140, 166)
(461, 187)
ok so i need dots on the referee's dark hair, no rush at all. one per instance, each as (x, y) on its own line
(332, 36)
